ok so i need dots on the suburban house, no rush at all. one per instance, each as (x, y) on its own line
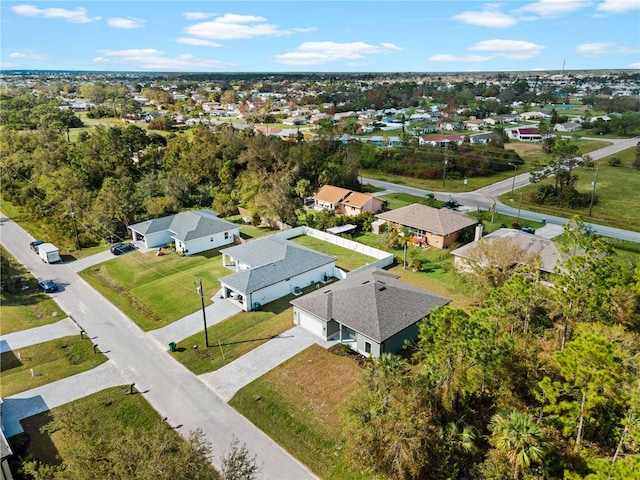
(525, 134)
(567, 127)
(344, 201)
(428, 225)
(371, 311)
(481, 138)
(544, 249)
(440, 140)
(474, 124)
(193, 231)
(271, 267)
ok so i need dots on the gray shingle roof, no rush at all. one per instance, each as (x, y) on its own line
(545, 249)
(429, 219)
(374, 303)
(187, 225)
(272, 260)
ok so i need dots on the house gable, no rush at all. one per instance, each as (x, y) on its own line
(374, 303)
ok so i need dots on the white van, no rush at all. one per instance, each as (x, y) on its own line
(49, 253)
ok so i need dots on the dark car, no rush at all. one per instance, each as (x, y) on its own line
(120, 248)
(48, 286)
(528, 230)
(34, 245)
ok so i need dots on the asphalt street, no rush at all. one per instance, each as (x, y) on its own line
(170, 388)
(485, 197)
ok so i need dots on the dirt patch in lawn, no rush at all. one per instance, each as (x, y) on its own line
(320, 382)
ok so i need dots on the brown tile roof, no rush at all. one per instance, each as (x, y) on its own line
(331, 194)
(429, 219)
(357, 199)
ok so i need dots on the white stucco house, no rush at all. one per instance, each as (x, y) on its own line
(269, 268)
(372, 311)
(193, 231)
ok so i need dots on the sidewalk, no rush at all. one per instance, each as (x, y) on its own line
(40, 399)
(232, 377)
(33, 336)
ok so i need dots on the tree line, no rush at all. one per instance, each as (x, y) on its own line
(113, 177)
(540, 381)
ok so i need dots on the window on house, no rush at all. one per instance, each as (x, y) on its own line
(367, 347)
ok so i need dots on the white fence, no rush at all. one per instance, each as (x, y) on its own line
(383, 259)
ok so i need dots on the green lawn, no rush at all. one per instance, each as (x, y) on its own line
(346, 259)
(27, 308)
(50, 361)
(299, 404)
(616, 193)
(237, 335)
(398, 200)
(155, 291)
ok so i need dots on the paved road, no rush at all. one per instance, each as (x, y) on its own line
(484, 198)
(170, 388)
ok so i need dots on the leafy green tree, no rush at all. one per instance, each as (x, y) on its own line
(457, 352)
(238, 464)
(519, 438)
(587, 379)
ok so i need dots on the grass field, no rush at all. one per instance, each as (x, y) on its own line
(28, 308)
(50, 361)
(616, 194)
(155, 291)
(299, 405)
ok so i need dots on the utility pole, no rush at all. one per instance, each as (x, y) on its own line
(519, 207)
(444, 168)
(513, 184)
(204, 316)
(593, 190)
(75, 229)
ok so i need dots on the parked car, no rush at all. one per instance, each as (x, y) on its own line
(120, 248)
(48, 286)
(528, 230)
(34, 245)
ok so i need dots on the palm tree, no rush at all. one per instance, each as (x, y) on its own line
(519, 436)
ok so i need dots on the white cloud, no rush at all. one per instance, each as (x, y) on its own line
(197, 15)
(601, 49)
(318, 53)
(511, 49)
(618, 6)
(152, 59)
(26, 56)
(197, 42)
(235, 27)
(486, 18)
(79, 15)
(635, 65)
(9, 66)
(446, 58)
(126, 23)
(554, 8)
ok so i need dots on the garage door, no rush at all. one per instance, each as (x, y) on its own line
(312, 324)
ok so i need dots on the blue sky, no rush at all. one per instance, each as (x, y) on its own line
(320, 36)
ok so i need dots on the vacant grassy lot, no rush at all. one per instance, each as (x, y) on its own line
(616, 193)
(155, 291)
(346, 259)
(28, 308)
(398, 200)
(299, 405)
(50, 361)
